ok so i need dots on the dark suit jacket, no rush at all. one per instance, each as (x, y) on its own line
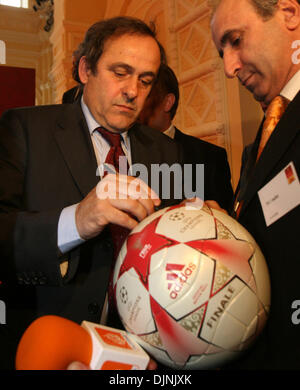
(47, 162)
(279, 345)
(217, 184)
(72, 95)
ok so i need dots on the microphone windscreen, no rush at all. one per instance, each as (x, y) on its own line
(52, 343)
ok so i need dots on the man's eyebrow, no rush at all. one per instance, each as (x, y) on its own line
(145, 74)
(130, 69)
(225, 38)
(122, 65)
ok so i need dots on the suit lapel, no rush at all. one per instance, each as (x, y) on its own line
(282, 137)
(74, 141)
(177, 135)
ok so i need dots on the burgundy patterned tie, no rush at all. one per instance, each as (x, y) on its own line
(118, 233)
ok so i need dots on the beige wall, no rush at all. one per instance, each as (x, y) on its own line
(71, 22)
(211, 107)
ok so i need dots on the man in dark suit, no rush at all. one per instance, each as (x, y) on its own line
(55, 238)
(72, 95)
(158, 112)
(257, 43)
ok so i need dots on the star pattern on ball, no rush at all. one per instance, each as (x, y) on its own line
(142, 246)
(233, 254)
(179, 343)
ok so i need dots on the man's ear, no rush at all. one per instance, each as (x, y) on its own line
(290, 10)
(83, 70)
(169, 101)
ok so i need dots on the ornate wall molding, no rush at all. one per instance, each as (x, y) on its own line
(206, 109)
(196, 66)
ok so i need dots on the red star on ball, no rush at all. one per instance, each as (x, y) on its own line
(141, 246)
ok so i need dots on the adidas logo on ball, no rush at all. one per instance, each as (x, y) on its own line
(177, 276)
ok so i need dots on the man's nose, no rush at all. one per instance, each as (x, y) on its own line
(130, 89)
(232, 63)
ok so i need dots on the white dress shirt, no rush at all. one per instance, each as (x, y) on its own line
(291, 89)
(170, 132)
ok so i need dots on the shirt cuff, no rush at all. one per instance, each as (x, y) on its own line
(67, 235)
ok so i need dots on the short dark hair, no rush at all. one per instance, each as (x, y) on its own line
(166, 82)
(97, 35)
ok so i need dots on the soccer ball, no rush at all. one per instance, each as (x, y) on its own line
(192, 286)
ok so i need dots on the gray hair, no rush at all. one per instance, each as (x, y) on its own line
(265, 8)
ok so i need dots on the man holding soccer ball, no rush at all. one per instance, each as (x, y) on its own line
(56, 245)
(258, 41)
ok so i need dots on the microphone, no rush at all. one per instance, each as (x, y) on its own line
(53, 343)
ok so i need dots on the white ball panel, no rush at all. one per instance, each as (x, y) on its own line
(184, 225)
(217, 306)
(250, 329)
(147, 220)
(133, 304)
(244, 307)
(158, 261)
(229, 333)
(198, 292)
(210, 361)
(174, 278)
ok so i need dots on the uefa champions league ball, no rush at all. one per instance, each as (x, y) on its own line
(192, 286)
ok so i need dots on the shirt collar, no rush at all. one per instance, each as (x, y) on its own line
(170, 132)
(291, 89)
(93, 124)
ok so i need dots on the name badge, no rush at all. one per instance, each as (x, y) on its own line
(280, 195)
